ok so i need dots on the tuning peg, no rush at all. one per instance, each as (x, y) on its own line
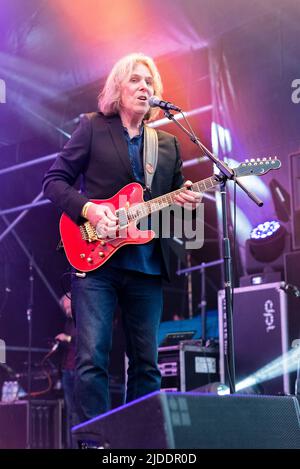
(264, 159)
(258, 160)
(246, 160)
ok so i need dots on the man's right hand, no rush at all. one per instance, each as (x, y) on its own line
(62, 337)
(103, 219)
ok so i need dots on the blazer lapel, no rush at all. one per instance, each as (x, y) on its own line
(117, 135)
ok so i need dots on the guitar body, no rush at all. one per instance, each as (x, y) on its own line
(86, 255)
(86, 251)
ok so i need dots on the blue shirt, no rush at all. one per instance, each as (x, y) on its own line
(144, 258)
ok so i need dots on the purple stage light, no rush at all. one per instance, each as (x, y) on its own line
(265, 230)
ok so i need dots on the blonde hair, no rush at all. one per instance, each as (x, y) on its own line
(109, 98)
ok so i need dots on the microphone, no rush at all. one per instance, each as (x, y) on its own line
(55, 346)
(154, 101)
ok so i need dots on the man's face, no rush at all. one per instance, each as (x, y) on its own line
(136, 90)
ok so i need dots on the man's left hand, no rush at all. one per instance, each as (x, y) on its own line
(188, 198)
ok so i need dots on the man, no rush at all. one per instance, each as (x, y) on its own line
(68, 340)
(107, 151)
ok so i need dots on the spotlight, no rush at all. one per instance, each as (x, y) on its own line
(267, 241)
(264, 253)
(263, 230)
(281, 201)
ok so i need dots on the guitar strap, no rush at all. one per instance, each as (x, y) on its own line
(150, 155)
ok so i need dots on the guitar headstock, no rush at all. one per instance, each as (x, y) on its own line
(257, 167)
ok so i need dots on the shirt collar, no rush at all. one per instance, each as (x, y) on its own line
(136, 136)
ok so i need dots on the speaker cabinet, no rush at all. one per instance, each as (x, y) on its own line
(263, 330)
(292, 277)
(188, 366)
(294, 160)
(46, 424)
(193, 420)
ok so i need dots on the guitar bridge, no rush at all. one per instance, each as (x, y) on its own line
(88, 232)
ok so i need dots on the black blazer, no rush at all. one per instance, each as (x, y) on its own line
(97, 150)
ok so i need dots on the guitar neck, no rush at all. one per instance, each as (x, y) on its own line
(154, 205)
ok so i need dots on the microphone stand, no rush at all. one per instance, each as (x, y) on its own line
(296, 346)
(29, 367)
(203, 304)
(226, 173)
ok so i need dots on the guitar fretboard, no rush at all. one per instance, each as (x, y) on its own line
(146, 208)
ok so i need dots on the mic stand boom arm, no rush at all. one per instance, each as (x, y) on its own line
(226, 173)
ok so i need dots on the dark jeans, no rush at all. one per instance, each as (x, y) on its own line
(94, 300)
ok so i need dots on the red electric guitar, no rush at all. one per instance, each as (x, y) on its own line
(85, 249)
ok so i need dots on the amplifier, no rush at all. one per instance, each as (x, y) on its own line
(46, 424)
(262, 331)
(188, 365)
(294, 167)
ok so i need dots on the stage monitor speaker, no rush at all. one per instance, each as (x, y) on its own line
(193, 420)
